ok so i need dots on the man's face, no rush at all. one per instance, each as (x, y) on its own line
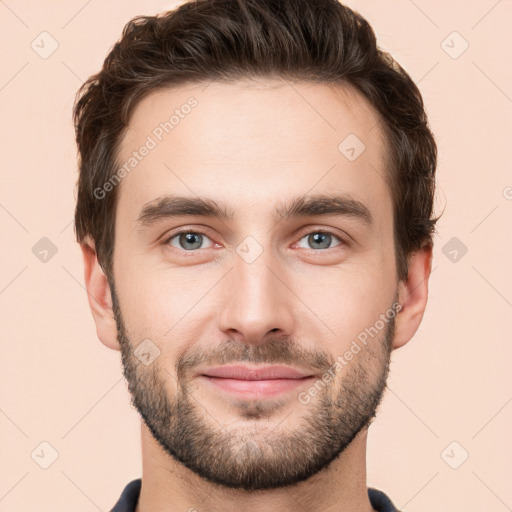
(197, 313)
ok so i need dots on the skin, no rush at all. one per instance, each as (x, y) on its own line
(254, 146)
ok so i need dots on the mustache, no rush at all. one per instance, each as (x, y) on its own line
(274, 351)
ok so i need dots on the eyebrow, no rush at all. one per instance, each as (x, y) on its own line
(171, 206)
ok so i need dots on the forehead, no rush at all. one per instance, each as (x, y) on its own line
(251, 142)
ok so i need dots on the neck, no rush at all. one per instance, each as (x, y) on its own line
(169, 486)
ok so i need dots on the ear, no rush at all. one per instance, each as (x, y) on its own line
(412, 295)
(98, 294)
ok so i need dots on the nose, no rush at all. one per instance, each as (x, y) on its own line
(257, 301)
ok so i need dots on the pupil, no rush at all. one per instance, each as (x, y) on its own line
(320, 238)
(189, 239)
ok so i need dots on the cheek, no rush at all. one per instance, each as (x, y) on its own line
(166, 307)
(347, 299)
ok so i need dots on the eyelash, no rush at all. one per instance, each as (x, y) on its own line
(342, 240)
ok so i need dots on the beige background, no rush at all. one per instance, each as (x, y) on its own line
(60, 385)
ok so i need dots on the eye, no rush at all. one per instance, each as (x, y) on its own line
(321, 240)
(187, 240)
(190, 241)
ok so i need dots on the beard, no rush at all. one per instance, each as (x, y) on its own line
(254, 456)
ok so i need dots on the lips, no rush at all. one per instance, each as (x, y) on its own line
(254, 382)
(240, 372)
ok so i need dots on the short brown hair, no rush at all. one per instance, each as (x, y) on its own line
(318, 41)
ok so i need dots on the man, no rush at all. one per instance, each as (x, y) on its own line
(255, 214)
